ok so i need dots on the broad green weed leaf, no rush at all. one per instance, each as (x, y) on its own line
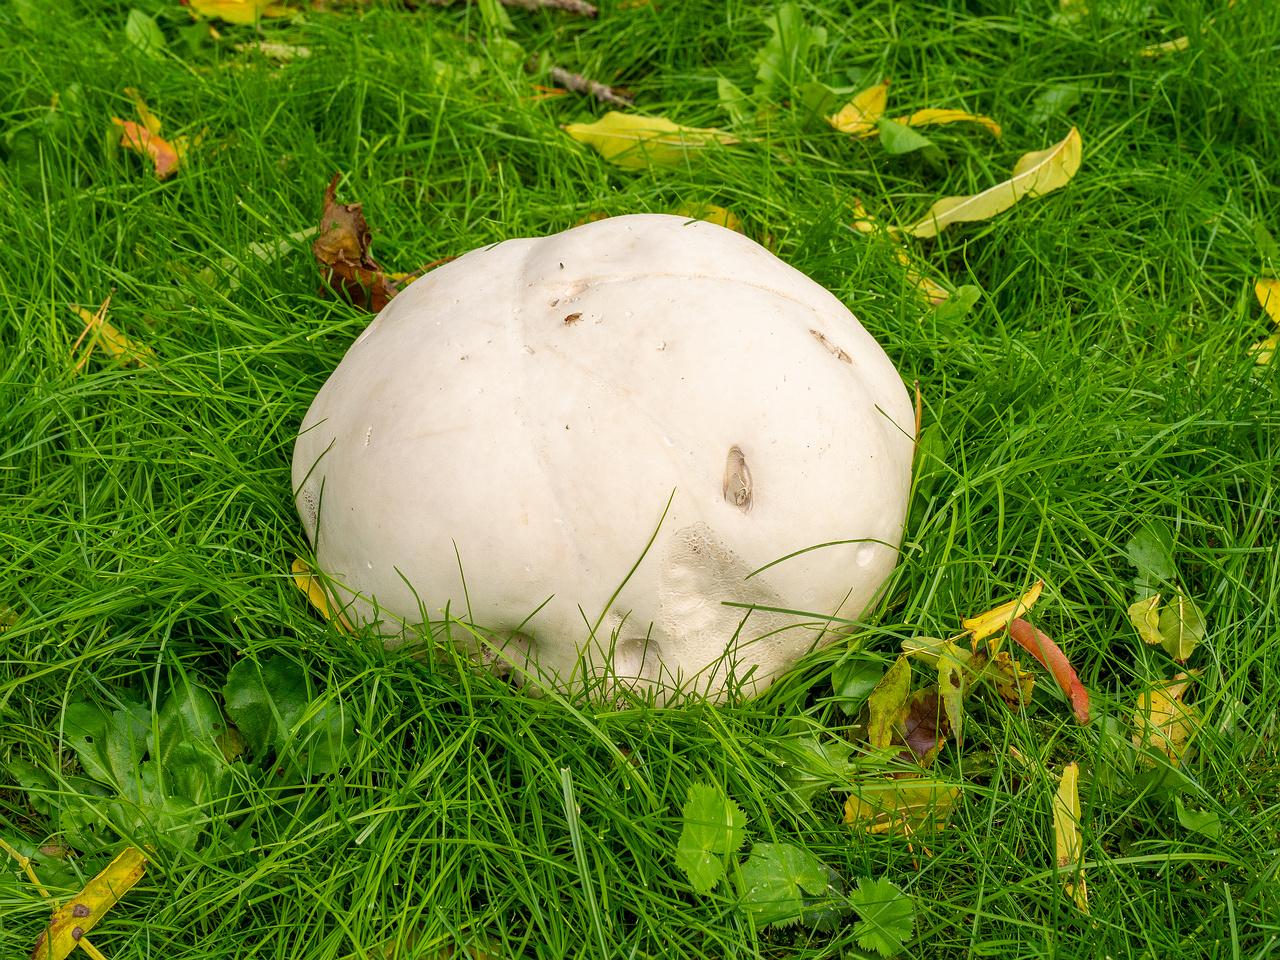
(637, 142)
(713, 829)
(145, 35)
(35, 781)
(818, 765)
(775, 878)
(734, 102)
(782, 60)
(853, 681)
(957, 306)
(886, 916)
(898, 138)
(1198, 821)
(1151, 551)
(886, 704)
(1268, 248)
(108, 745)
(1039, 645)
(1033, 176)
(817, 100)
(1067, 842)
(1053, 101)
(1182, 627)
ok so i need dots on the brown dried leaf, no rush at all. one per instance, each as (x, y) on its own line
(924, 726)
(342, 252)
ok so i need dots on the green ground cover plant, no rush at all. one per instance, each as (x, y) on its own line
(1092, 417)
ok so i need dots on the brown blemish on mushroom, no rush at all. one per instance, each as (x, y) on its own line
(573, 318)
(835, 351)
(737, 480)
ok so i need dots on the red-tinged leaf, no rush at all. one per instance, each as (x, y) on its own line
(165, 155)
(1038, 644)
(924, 725)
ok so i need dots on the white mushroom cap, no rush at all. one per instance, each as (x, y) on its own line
(523, 415)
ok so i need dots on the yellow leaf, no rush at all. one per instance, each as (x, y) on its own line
(1146, 619)
(933, 291)
(912, 804)
(244, 12)
(117, 344)
(638, 142)
(149, 119)
(1034, 175)
(1069, 847)
(922, 118)
(1163, 721)
(1265, 349)
(860, 114)
(83, 911)
(1169, 46)
(306, 581)
(710, 213)
(1012, 682)
(1268, 293)
(997, 618)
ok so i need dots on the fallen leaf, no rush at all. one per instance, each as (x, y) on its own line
(116, 343)
(887, 702)
(923, 728)
(1068, 845)
(1037, 642)
(951, 686)
(243, 12)
(1267, 291)
(1176, 45)
(997, 618)
(342, 252)
(86, 909)
(637, 142)
(923, 118)
(306, 581)
(710, 213)
(166, 156)
(1033, 176)
(886, 804)
(863, 222)
(1146, 619)
(1013, 684)
(1163, 721)
(860, 114)
(1181, 628)
(149, 119)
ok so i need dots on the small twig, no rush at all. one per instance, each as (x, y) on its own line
(580, 84)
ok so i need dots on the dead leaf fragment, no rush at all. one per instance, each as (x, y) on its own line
(924, 118)
(166, 156)
(997, 618)
(115, 342)
(860, 114)
(1033, 176)
(1068, 845)
(87, 908)
(1177, 45)
(306, 581)
(342, 252)
(1163, 721)
(1146, 619)
(1038, 644)
(638, 142)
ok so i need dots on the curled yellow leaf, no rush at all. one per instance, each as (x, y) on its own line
(86, 909)
(116, 343)
(1267, 291)
(1068, 845)
(1034, 175)
(924, 118)
(637, 142)
(1146, 619)
(1176, 45)
(860, 114)
(306, 581)
(149, 119)
(998, 618)
(243, 12)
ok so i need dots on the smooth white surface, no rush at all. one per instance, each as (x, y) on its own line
(473, 416)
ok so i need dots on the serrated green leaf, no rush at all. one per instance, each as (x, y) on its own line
(773, 878)
(886, 915)
(713, 829)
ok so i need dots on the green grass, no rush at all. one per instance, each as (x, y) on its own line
(1103, 381)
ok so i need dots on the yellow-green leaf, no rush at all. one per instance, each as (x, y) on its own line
(1034, 175)
(243, 12)
(1163, 721)
(116, 343)
(633, 141)
(1181, 627)
(909, 804)
(1146, 619)
(886, 703)
(923, 118)
(86, 909)
(1068, 845)
(1176, 45)
(710, 213)
(997, 618)
(306, 581)
(860, 114)
(1267, 291)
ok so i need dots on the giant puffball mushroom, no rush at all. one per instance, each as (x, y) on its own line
(525, 418)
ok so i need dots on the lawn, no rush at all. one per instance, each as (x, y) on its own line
(1095, 418)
